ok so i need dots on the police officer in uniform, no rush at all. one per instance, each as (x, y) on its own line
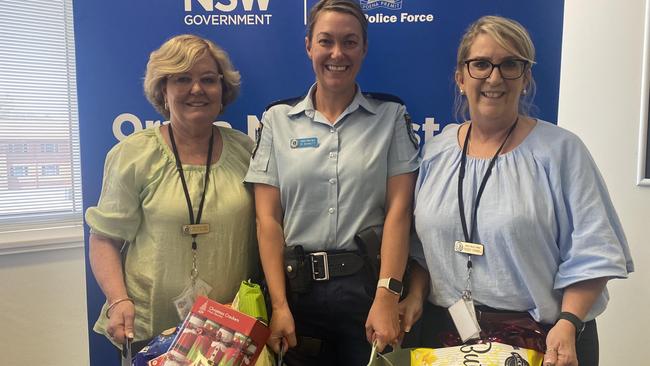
(326, 166)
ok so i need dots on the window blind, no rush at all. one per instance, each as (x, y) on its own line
(39, 140)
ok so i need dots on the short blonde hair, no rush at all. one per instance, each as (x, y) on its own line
(179, 54)
(510, 35)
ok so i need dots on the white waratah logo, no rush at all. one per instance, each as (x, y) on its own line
(245, 12)
(388, 4)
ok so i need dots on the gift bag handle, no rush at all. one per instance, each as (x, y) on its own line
(374, 354)
(279, 359)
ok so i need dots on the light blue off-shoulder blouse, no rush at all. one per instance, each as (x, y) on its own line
(545, 219)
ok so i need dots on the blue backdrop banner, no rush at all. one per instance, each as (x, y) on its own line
(412, 50)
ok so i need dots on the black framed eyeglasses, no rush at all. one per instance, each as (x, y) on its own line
(510, 69)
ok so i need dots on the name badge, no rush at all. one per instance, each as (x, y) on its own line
(196, 229)
(468, 248)
(304, 142)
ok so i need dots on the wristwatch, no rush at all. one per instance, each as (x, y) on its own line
(392, 285)
(577, 323)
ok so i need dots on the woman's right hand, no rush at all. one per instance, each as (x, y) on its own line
(283, 330)
(120, 322)
(106, 263)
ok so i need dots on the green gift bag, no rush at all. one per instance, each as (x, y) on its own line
(399, 357)
(250, 301)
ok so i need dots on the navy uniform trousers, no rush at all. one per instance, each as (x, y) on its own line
(330, 322)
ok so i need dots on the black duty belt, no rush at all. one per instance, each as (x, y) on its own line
(326, 265)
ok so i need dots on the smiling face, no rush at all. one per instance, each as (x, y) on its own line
(336, 51)
(494, 98)
(194, 96)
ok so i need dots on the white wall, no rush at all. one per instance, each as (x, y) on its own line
(43, 307)
(600, 101)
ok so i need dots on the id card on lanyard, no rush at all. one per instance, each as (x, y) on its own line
(463, 312)
(196, 287)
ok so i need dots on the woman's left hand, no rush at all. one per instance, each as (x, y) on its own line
(382, 324)
(561, 345)
(410, 310)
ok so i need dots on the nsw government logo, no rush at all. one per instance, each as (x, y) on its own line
(227, 12)
(388, 4)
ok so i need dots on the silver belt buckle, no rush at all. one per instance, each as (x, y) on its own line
(315, 275)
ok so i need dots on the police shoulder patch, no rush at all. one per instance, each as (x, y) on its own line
(258, 138)
(409, 130)
(288, 101)
(385, 97)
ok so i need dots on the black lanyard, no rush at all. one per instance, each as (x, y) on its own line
(469, 235)
(179, 167)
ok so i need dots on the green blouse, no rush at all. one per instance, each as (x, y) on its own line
(142, 202)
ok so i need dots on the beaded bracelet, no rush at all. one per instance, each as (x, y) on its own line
(112, 305)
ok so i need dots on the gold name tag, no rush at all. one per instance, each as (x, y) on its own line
(196, 229)
(468, 248)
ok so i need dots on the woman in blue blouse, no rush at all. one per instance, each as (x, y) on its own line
(545, 239)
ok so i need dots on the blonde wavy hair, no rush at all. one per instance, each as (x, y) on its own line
(514, 38)
(179, 54)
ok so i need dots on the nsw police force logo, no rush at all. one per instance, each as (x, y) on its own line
(388, 4)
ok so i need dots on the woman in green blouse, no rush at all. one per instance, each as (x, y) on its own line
(174, 194)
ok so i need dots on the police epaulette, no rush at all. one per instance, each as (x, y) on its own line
(384, 97)
(289, 101)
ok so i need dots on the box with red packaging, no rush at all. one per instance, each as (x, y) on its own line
(158, 361)
(215, 334)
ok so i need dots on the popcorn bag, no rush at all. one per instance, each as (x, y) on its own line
(486, 354)
(214, 334)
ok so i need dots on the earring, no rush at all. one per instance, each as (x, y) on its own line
(166, 106)
(462, 92)
(524, 92)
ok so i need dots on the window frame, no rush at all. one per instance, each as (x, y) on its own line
(36, 231)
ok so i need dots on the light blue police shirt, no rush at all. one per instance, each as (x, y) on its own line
(332, 177)
(545, 219)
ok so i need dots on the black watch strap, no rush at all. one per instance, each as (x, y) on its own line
(577, 322)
